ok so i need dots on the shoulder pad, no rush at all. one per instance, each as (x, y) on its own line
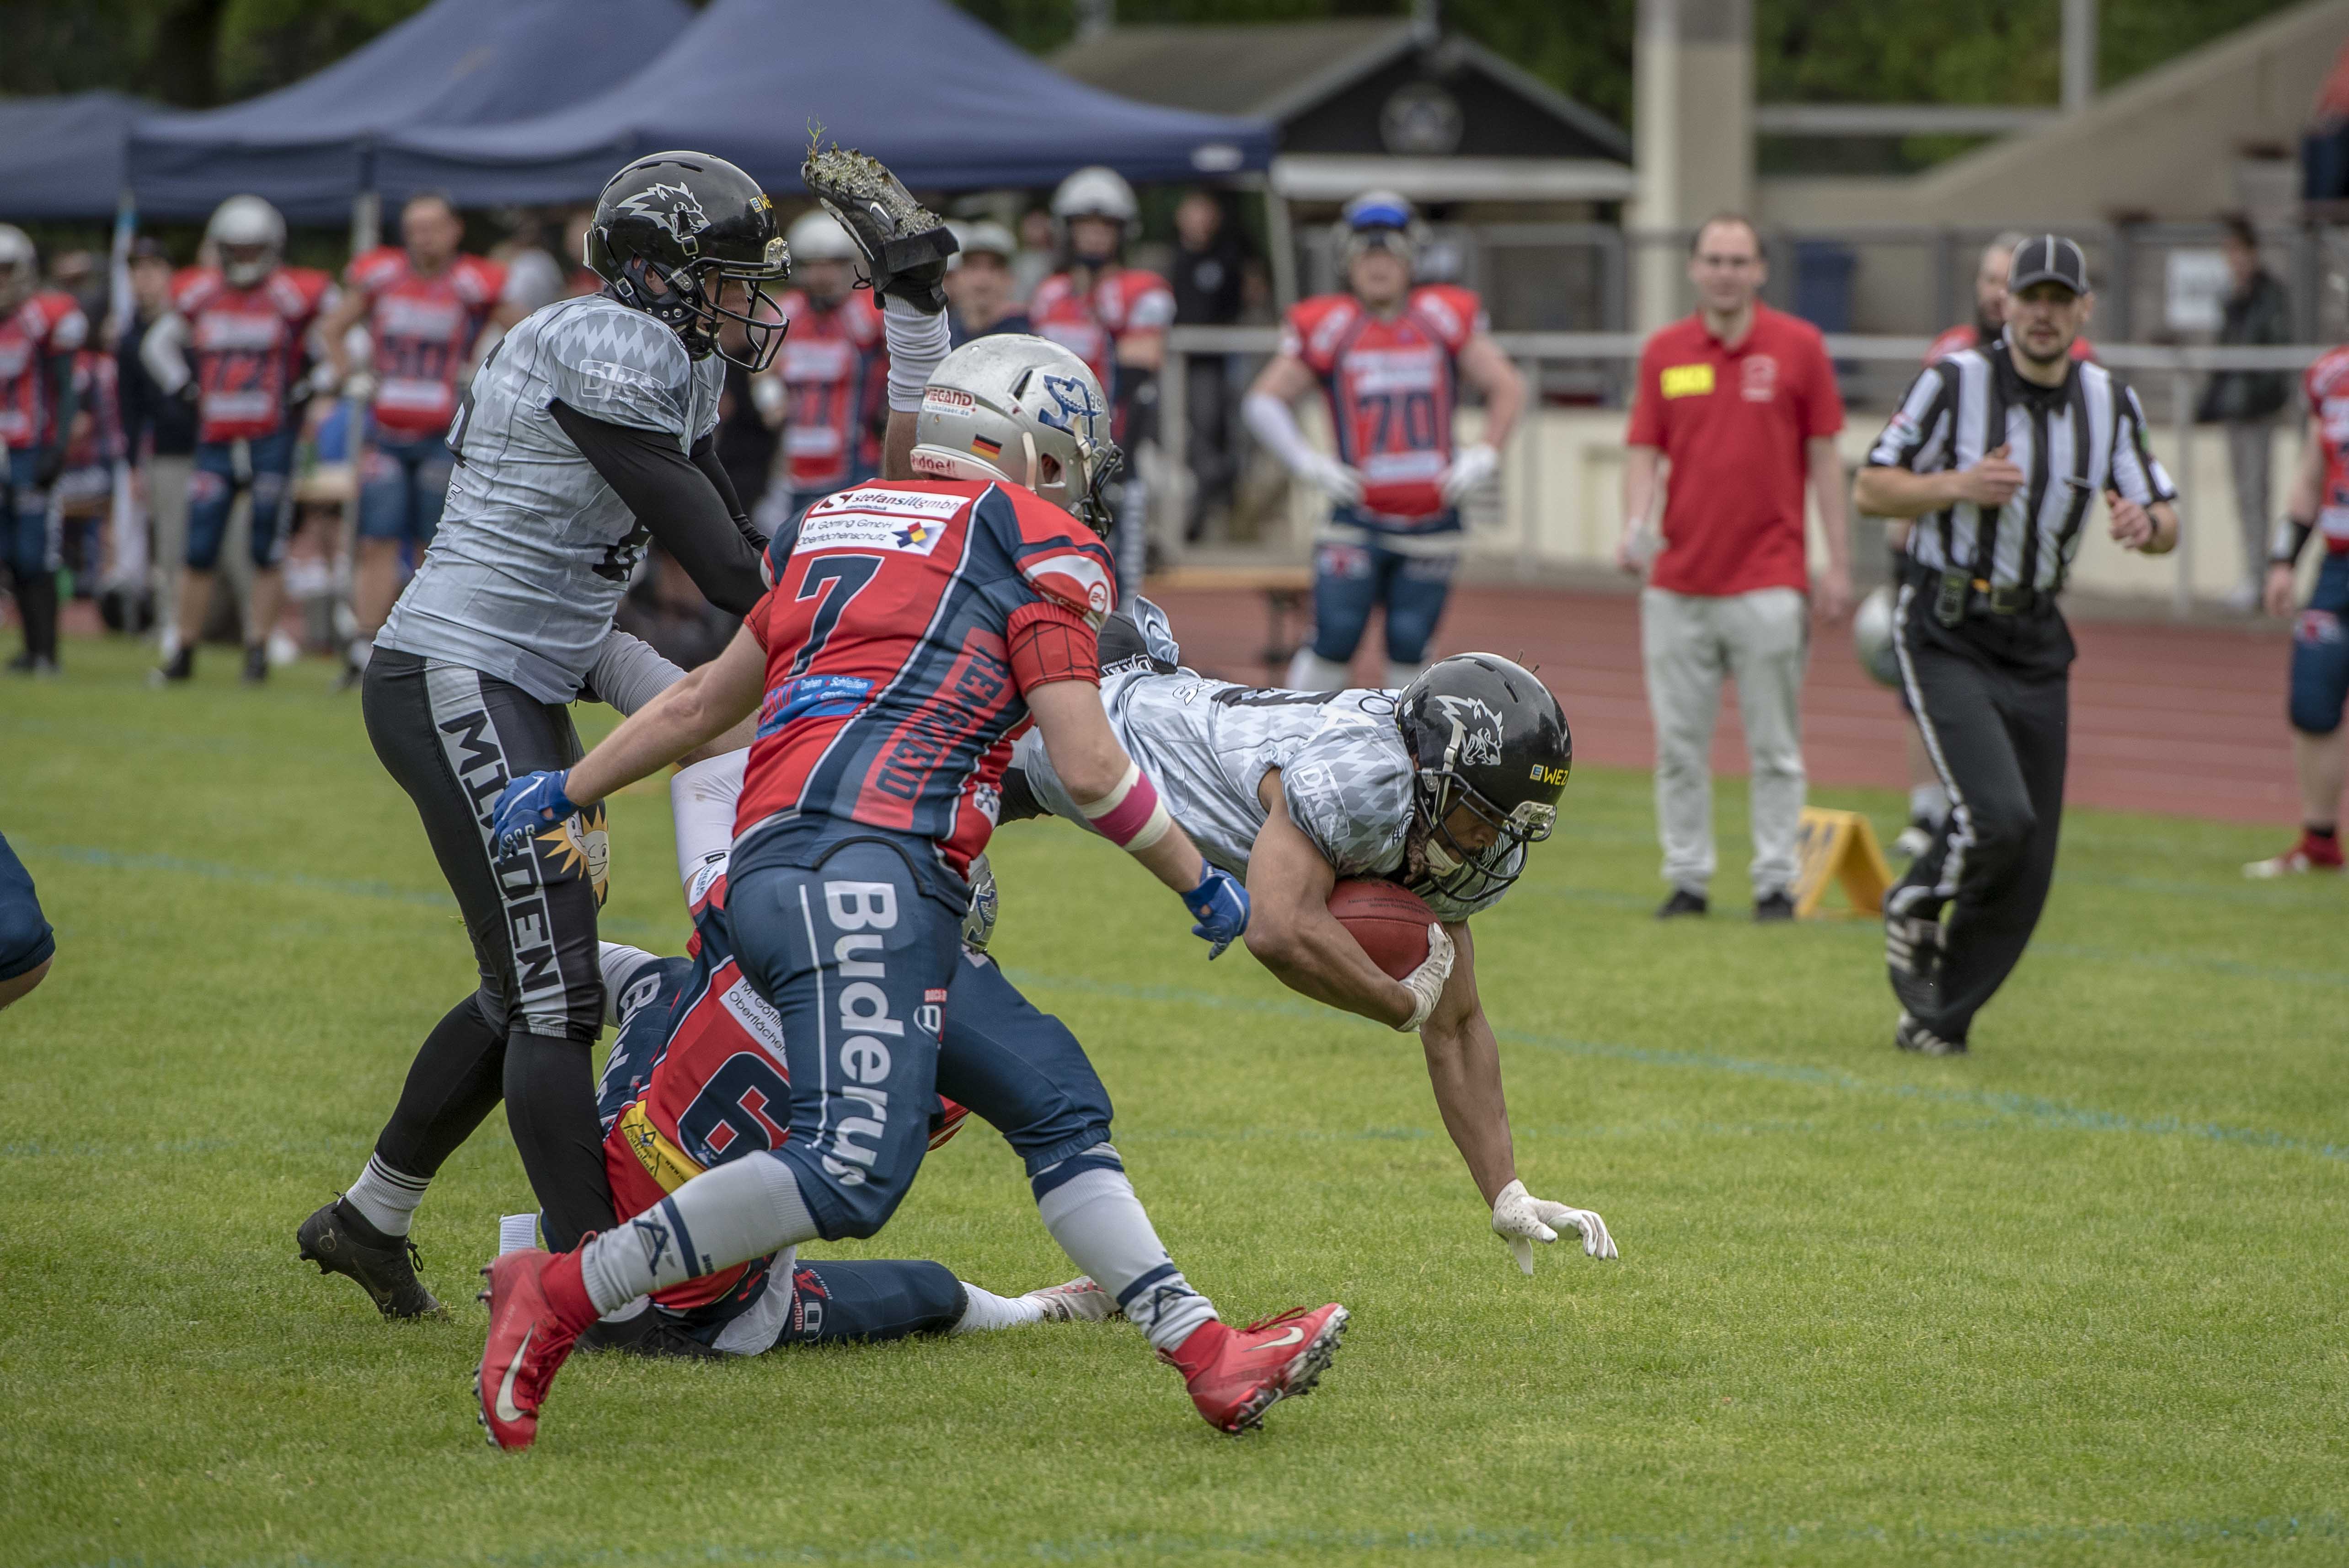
(613, 363)
(1059, 557)
(479, 280)
(379, 268)
(1456, 313)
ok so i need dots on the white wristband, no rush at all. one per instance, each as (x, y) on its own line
(918, 342)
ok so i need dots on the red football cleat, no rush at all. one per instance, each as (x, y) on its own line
(2311, 854)
(528, 1344)
(1235, 1374)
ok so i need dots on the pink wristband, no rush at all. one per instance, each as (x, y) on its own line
(1131, 816)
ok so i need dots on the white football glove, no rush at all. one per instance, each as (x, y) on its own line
(1521, 1219)
(1426, 982)
(1470, 468)
(1332, 478)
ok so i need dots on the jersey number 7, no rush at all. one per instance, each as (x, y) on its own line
(831, 581)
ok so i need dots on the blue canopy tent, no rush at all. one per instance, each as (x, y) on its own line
(455, 64)
(946, 102)
(61, 157)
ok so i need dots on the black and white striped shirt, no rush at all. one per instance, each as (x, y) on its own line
(2073, 441)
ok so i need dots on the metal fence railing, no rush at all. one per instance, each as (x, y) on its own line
(1591, 372)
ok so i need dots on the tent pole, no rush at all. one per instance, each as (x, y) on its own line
(366, 222)
(1280, 239)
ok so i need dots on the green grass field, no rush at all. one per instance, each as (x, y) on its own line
(2077, 1298)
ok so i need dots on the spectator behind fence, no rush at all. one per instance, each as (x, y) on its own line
(981, 300)
(1739, 405)
(1209, 267)
(2258, 311)
(158, 430)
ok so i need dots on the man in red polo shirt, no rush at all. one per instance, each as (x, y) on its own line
(1739, 402)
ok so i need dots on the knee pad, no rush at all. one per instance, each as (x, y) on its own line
(2319, 672)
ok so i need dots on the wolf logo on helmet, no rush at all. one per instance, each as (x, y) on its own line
(1475, 728)
(674, 209)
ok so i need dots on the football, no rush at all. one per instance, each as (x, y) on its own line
(1389, 921)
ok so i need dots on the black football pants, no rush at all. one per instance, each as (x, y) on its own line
(1992, 696)
(453, 738)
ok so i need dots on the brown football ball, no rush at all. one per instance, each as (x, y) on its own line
(1389, 921)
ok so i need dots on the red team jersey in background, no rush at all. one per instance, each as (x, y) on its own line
(905, 622)
(247, 346)
(2326, 387)
(98, 419)
(424, 330)
(1391, 384)
(836, 369)
(46, 324)
(1089, 322)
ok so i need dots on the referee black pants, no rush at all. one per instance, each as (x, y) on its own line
(1992, 696)
(453, 738)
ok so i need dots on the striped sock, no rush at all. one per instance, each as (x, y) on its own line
(728, 1214)
(386, 1198)
(1089, 1206)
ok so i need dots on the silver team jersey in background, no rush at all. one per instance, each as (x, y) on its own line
(534, 549)
(1345, 772)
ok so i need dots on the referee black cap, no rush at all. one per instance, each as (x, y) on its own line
(2047, 259)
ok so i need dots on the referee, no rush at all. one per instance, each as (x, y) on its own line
(1997, 451)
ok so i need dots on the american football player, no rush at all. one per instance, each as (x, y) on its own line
(914, 629)
(41, 331)
(827, 387)
(1390, 356)
(238, 342)
(1440, 787)
(587, 433)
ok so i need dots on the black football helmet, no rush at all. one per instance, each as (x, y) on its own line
(1484, 733)
(671, 229)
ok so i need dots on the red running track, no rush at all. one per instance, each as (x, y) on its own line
(2182, 719)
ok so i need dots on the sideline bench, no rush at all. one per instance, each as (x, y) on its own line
(1285, 589)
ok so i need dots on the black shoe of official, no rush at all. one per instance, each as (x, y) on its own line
(1774, 906)
(1912, 960)
(256, 664)
(1910, 1035)
(1683, 902)
(181, 666)
(906, 244)
(650, 1334)
(342, 1242)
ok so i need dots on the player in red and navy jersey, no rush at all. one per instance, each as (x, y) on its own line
(41, 330)
(1390, 357)
(826, 386)
(2317, 504)
(426, 305)
(238, 342)
(914, 631)
(1114, 318)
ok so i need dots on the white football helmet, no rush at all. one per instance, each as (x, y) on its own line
(981, 236)
(1023, 411)
(20, 266)
(248, 235)
(1096, 193)
(816, 236)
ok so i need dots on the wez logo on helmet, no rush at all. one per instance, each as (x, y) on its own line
(1475, 728)
(673, 207)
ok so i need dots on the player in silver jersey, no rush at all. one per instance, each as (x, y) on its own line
(587, 433)
(1440, 787)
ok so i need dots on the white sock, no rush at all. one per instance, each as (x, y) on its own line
(386, 1198)
(1308, 671)
(984, 1312)
(1090, 1207)
(724, 1216)
(1929, 803)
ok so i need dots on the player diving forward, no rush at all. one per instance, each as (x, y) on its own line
(914, 629)
(1440, 786)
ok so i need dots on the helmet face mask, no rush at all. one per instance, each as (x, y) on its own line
(1488, 738)
(248, 237)
(672, 232)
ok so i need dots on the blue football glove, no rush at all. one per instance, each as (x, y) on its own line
(1221, 905)
(532, 803)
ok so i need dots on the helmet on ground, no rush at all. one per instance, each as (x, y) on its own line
(1096, 193)
(1023, 411)
(1871, 637)
(1485, 734)
(816, 236)
(248, 235)
(20, 266)
(1380, 219)
(671, 231)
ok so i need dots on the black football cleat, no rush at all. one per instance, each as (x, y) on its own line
(1774, 906)
(384, 1266)
(906, 244)
(180, 668)
(256, 664)
(1683, 902)
(1910, 1035)
(1912, 961)
(651, 1335)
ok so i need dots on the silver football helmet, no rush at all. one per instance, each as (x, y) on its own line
(20, 268)
(248, 235)
(816, 236)
(1026, 411)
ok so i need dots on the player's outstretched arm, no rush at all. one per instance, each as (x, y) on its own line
(694, 711)
(1464, 1066)
(1292, 932)
(1122, 806)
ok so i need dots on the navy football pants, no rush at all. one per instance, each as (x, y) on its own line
(25, 940)
(1350, 581)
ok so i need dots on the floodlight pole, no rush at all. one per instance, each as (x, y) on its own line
(2079, 54)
